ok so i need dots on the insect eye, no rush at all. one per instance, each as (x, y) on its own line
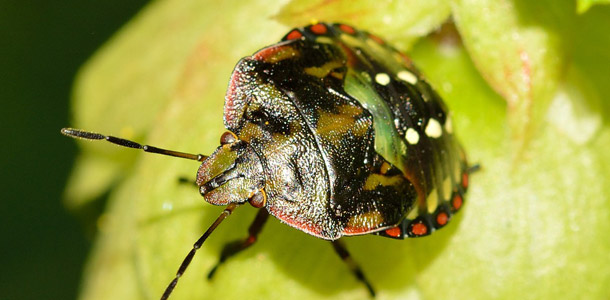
(228, 138)
(258, 199)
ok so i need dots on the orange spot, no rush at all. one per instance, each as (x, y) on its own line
(393, 232)
(457, 202)
(318, 28)
(347, 29)
(419, 229)
(355, 230)
(385, 167)
(465, 180)
(442, 218)
(293, 35)
(251, 240)
(376, 39)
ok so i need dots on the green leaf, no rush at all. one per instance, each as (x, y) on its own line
(517, 54)
(533, 228)
(587, 42)
(400, 22)
(584, 5)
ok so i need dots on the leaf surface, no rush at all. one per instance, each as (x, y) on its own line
(533, 227)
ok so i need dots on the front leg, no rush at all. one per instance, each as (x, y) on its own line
(235, 247)
(346, 257)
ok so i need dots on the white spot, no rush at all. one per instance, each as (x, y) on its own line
(396, 123)
(382, 78)
(407, 76)
(449, 125)
(167, 206)
(433, 129)
(412, 136)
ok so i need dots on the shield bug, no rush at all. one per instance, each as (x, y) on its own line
(335, 133)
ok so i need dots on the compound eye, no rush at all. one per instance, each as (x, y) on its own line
(258, 199)
(228, 138)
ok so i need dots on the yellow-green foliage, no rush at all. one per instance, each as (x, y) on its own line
(528, 87)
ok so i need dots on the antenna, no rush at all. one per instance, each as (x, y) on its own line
(87, 135)
(189, 257)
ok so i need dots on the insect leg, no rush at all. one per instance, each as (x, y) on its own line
(235, 247)
(189, 257)
(347, 258)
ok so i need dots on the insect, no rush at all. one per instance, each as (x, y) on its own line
(335, 133)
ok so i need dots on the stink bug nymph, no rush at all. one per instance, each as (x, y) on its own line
(334, 133)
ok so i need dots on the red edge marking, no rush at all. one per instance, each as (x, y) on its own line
(419, 229)
(299, 223)
(376, 39)
(457, 202)
(442, 218)
(266, 53)
(251, 240)
(356, 230)
(347, 28)
(318, 28)
(393, 232)
(465, 180)
(234, 86)
(293, 35)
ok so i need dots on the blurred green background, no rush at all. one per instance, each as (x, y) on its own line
(42, 45)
